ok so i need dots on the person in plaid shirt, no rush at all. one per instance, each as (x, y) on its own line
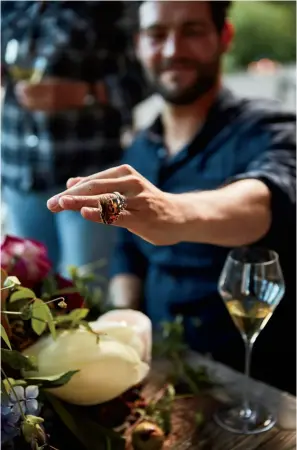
(68, 93)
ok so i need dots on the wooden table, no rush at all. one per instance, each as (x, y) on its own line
(211, 437)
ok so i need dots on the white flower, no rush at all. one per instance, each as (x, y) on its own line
(120, 332)
(140, 337)
(106, 368)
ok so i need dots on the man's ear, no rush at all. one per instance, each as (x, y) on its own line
(227, 36)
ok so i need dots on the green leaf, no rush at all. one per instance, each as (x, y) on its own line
(20, 294)
(39, 316)
(5, 337)
(17, 361)
(32, 431)
(161, 410)
(4, 392)
(53, 380)
(19, 383)
(87, 278)
(78, 314)
(74, 316)
(34, 419)
(89, 433)
(51, 324)
(26, 312)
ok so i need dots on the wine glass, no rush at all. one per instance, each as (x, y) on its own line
(251, 285)
(23, 65)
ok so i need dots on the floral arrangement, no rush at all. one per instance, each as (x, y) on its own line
(45, 330)
(61, 368)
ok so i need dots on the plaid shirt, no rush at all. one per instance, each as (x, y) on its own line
(79, 41)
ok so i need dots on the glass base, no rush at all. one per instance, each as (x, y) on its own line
(252, 421)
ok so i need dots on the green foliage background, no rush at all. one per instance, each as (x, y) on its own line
(263, 29)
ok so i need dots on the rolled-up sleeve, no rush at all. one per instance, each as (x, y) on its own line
(275, 166)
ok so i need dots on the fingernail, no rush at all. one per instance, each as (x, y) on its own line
(53, 202)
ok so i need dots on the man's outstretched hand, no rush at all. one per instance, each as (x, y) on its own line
(154, 215)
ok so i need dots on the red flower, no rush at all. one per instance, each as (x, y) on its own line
(74, 300)
(26, 259)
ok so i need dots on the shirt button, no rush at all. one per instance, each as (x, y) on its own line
(32, 141)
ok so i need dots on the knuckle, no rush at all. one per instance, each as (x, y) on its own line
(126, 169)
(136, 181)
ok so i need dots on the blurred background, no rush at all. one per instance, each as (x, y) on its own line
(261, 63)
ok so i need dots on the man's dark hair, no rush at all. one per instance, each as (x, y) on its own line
(219, 11)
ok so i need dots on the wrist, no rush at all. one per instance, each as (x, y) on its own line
(192, 222)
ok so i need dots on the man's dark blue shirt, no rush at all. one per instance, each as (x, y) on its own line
(240, 139)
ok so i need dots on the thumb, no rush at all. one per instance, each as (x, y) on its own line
(21, 87)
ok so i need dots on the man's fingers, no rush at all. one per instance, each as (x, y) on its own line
(113, 173)
(97, 187)
(73, 181)
(88, 194)
(76, 203)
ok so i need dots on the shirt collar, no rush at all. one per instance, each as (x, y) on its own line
(155, 131)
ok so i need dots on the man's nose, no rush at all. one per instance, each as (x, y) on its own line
(172, 46)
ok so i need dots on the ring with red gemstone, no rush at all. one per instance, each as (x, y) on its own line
(111, 207)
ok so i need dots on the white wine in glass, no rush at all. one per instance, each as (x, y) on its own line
(25, 66)
(251, 285)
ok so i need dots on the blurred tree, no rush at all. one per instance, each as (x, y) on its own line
(263, 29)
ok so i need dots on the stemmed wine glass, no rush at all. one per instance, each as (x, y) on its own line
(251, 285)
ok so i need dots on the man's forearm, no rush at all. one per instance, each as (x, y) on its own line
(235, 215)
(125, 291)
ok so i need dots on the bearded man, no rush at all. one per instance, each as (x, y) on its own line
(213, 172)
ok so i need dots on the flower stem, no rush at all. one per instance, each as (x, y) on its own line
(18, 313)
(16, 397)
(6, 287)
(55, 300)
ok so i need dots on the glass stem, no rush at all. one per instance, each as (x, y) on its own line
(246, 403)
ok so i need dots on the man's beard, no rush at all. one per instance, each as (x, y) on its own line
(206, 79)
